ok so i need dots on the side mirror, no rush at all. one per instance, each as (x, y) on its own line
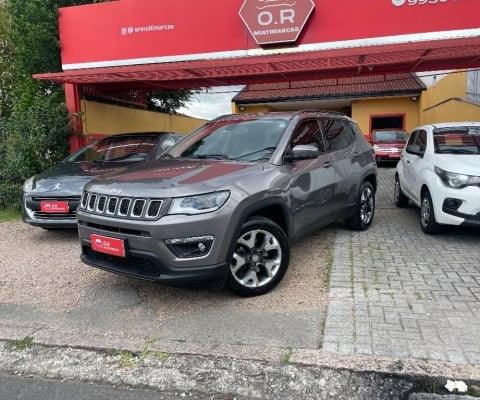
(305, 152)
(167, 143)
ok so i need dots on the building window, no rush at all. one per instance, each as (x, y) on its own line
(473, 85)
(389, 121)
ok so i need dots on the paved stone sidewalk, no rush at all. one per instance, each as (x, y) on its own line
(397, 292)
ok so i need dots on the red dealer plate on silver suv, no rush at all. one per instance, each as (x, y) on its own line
(108, 245)
(54, 206)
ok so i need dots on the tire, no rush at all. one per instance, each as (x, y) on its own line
(364, 209)
(398, 197)
(427, 215)
(260, 258)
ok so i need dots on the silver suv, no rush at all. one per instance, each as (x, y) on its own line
(224, 204)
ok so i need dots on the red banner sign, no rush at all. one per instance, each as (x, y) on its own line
(108, 245)
(128, 32)
(54, 207)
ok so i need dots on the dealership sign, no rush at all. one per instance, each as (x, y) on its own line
(275, 21)
(134, 32)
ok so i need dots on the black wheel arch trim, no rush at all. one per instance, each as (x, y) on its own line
(252, 210)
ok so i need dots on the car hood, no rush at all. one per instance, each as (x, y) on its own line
(459, 163)
(174, 177)
(69, 178)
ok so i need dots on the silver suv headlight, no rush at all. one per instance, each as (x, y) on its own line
(200, 204)
(28, 185)
(457, 181)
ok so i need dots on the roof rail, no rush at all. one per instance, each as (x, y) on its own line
(317, 110)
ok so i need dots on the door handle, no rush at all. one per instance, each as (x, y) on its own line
(327, 164)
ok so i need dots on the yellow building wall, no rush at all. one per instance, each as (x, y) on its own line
(449, 86)
(445, 101)
(452, 110)
(363, 110)
(107, 119)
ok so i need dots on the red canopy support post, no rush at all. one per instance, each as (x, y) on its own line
(72, 99)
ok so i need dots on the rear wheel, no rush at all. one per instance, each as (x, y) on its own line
(260, 258)
(399, 198)
(427, 214)
(364, 209)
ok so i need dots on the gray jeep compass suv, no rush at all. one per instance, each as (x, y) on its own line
(224, 204)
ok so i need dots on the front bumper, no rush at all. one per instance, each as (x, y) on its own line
(148, 254)
(456, 206)
(33, 215)
(388, 155)
(150, 266)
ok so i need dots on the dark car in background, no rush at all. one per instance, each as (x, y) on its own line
(388, 144)
(224, 204)
(51, 198)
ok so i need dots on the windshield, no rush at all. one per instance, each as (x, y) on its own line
(390, 136)
(236, 139)
(116, 148)
(457, 140)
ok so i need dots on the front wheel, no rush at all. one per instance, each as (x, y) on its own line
(260, 258)
(364, 209)
(427, 214)
(399, 198)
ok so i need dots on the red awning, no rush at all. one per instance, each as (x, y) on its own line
(411, 57)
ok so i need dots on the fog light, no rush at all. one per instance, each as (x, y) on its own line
(190, 247)
(452, 204)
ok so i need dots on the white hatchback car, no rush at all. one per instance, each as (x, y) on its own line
(439, 171)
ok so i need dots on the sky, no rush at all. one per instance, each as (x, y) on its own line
(211, 103)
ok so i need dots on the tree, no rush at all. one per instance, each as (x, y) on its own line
(5, 63)
(168, 101)
(34, 123)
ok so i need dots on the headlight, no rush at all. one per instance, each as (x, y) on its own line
(457, 181)
(201, 204)
(376, 147)
(28, 185)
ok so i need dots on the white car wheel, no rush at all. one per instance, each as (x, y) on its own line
(427, 214)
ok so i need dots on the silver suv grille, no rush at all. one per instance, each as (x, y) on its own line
(121, 207)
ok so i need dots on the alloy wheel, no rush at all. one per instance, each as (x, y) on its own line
(257, 258)
(367, 204)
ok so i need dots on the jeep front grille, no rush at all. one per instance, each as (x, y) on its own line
(141, 208)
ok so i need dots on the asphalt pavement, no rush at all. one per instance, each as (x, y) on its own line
(399, 317)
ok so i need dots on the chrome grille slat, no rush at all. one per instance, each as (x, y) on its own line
(124, 206)
(92, 199)
(153, 208)
(112, 205)
(140, 208)
(101, 204)
(84, 200)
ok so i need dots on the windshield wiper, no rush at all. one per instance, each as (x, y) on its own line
(270, 149)
(206, 156)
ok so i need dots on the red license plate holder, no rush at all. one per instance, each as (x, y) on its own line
(54, 207)
(108, 245)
